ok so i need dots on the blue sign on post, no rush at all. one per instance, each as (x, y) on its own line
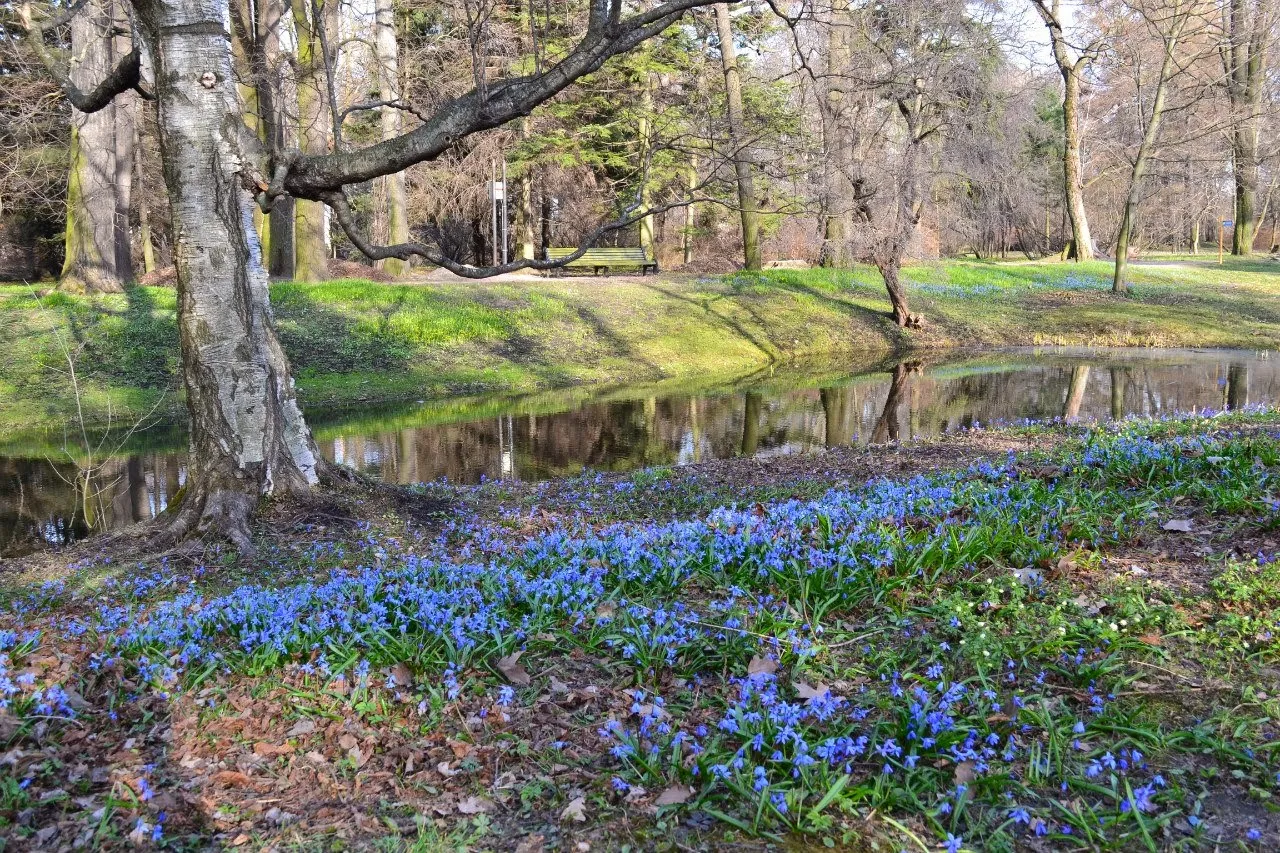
(1227, 223)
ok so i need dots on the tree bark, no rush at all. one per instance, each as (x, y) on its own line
(92, 245)
(690, 213)
(747, 206)
(393, 205)
(267, 58)
(144, 218)
(891, 271)
(310, 224)
(248, 436)
(524, 207)
(643, 132)
(1248, 33)
(1081, 248)
(838, 142)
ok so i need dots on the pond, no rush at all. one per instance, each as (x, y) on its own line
(48, 500)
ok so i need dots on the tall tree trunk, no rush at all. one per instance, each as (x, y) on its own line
(524, 207)
(144, 217)
(393, 206)
(310, 225)
(690, 213)
(838, 143)
(126, 142)
(747, 206)
(891, 271)
(546, 222)
(92, 258)
(1146, 148)
(267, 60)
(248, 436)
(1081, 247)
(1072, 171)
(1248, 27)
(643, 133)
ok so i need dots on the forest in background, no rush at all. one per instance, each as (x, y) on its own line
(830, 133)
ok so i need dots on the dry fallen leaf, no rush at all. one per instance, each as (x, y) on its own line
(302, 727)
(1150, 639)
(230, 777)
(460, 748)
(1178, 525)
(759, 666)
(576, 811)
(808, 691)
(558, 686)
(964, 773)
(402, 675)
(269, 749)
(674, 795)
(444, 770)
(511, 669)
(475, 805)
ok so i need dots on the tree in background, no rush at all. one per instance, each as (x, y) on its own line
(97, 250)
(1248, 32)
(1073, 70)
(740, 155)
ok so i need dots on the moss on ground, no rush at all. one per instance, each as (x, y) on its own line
(353, 342)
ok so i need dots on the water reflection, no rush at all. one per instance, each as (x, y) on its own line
(46, 503)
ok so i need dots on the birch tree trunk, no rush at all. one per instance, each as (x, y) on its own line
(747, 205)
(248, 437)
(92, 259)
(393, 208)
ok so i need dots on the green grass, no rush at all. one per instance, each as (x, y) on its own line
(352, 342)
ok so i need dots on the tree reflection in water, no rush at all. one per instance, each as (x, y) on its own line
(537, 438)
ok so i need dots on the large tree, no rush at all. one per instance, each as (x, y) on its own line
(1073, 69)
(1247, 31)
(248, 435)
(97, 255)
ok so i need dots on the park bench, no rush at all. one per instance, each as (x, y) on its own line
(606, 258)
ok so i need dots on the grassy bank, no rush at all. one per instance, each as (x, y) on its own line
(947, 646)
(353, 341)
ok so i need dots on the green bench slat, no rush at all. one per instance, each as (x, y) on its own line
(607, 256)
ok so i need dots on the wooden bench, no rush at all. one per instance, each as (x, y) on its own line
(606, 258)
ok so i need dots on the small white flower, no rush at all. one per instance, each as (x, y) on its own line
(1115, 627)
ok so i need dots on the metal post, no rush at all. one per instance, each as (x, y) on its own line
(506, 236)
(1222, 227)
